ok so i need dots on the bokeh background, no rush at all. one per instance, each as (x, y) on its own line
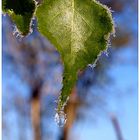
(104, 102)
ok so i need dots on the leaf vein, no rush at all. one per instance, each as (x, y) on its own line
(84, 20)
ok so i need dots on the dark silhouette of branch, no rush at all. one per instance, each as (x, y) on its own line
(116, 126)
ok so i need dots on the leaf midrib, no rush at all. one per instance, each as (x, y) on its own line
(72, 28)
(74, 11)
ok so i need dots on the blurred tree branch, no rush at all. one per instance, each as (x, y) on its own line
(116, 126)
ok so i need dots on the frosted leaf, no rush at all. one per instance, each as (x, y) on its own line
(60, 118)
(71, 29)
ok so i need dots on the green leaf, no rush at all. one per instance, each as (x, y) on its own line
(3, 5)
(80, 30)
(21, 12)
